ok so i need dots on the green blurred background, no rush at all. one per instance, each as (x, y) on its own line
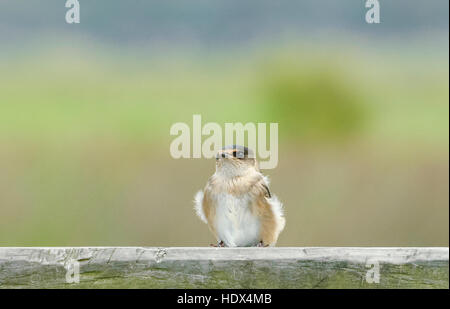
(85, 113)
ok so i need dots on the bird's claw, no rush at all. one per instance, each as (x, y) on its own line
(221, 244)
(261, 244)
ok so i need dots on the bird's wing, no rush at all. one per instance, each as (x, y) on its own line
(198, 206)
(266, 188)
(271, 212)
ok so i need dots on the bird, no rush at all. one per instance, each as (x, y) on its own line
(236, 202)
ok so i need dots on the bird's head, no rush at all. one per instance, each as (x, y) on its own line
(235, 160)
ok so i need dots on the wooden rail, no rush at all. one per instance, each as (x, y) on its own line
(141, 267)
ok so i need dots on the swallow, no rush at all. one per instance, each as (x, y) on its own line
(237, 204)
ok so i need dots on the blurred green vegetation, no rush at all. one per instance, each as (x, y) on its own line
(312, 100)
(84, 144)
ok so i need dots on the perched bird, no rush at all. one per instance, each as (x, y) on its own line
(236, 202)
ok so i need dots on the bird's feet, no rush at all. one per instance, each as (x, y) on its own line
(220, 244)
(261, 244)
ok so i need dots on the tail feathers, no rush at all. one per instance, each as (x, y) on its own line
(198, 206)
(278, 211)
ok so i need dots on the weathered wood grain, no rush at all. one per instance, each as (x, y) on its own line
(140, 267)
